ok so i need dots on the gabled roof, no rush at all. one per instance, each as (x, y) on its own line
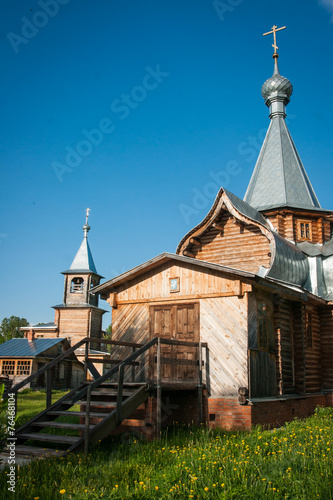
(161, 259)
(279, 178)
(27, 348)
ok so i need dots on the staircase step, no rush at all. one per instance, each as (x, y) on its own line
(106, 404)
(133, 422)
(28, 451)
(60, 425)
(126, 384)
(53, 438)
(93, 414)
(109, 392)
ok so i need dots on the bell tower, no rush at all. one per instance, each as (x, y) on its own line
(79, 316)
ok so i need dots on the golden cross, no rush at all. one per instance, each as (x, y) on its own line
(87, 214)
(274, 30)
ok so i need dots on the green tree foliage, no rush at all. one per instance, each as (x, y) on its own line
(10, 328)
(107, 336)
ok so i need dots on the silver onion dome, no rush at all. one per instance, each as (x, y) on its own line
(277, 84)
(277, 91)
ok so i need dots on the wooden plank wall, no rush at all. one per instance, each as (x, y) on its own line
(299, 347)
(326, 321)
(312, 354)
(74, 323)
(285, 347)
(194, 283)
(224, 328)
(242, 247)
(130, 323)
(308, 376)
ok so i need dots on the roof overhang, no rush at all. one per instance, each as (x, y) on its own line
(272, 284)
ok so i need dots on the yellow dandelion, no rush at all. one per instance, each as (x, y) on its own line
(62, 492)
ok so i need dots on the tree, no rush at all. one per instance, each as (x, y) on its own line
(107, 335)
(10, 328)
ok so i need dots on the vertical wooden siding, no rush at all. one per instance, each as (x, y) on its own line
(224, 328)
(326, 319)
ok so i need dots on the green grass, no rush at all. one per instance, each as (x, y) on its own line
(294, 462)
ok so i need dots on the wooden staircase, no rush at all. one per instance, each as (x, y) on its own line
(107, 413)
(103, 404)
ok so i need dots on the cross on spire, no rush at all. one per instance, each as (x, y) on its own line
(274, 30)
(87, 214)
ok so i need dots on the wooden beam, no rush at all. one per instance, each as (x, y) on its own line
(246, 288)
(196, 242)
(188, 254)
(87, 421)
(239, 288)
(159, 390)
(200, 384)
(218, 226)
(112, 300)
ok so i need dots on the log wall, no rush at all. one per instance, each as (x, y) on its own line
(239, 246)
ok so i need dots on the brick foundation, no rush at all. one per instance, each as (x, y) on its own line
(181, 407)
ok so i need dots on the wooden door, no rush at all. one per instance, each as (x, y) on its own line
(178, 322)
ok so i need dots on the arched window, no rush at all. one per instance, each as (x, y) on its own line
(77, 285)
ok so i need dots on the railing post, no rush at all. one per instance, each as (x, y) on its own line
(87, 421)
(48, 387)
(119, 417)
(159, 390)
(133, 367)
(200, 385)
(86, 356)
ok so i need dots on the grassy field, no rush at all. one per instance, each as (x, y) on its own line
(294, 462)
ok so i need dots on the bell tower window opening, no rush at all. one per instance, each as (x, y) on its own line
(304, 230)
(77, 285)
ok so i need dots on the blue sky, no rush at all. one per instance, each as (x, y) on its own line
(139, 110)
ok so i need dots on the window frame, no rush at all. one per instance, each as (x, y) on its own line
(16, 364)
(299, 230)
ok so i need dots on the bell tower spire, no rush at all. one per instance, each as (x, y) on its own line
(79, 315)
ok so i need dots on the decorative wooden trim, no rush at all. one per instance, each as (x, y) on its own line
(245, 289)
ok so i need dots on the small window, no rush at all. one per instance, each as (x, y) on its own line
(262, 326)
(308, 329)
(23, 367)
(304, 230)
(77, 285)
(8, 367)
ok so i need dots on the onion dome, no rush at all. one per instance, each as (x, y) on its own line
(277, 91)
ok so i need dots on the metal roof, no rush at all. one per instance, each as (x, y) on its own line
(27, 348)
(290, 264)
(279, 178)
(42, 326)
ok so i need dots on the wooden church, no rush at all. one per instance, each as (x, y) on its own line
(254, 283)
(233, 330)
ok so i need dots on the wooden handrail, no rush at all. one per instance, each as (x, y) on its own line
(64, 355)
